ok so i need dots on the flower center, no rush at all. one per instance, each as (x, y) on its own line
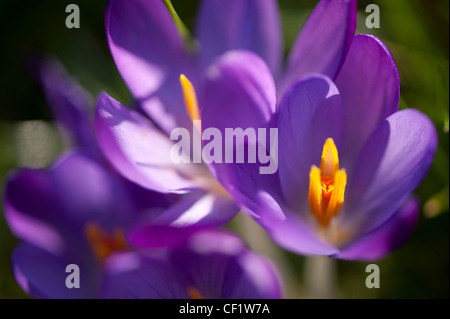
(194, 293)
(327, 185)
(104, 244)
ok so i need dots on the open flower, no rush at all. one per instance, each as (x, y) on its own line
(150, 55)
(71, 106)
(348, 159)
(207, 265)
(77, 212)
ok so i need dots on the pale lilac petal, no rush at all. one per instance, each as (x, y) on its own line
(392, 164)
(193, 212)
(239, 92)
(150, 56)
(388, 237)
(310, 112)
(323, 42)
(138, 150)
(370, 89)
(240, 24)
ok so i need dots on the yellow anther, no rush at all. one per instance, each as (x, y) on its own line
(102, 243)
(329, 164)
(190, 98)
(327, 185)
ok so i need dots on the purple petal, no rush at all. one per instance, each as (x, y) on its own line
(135, 276)
(323, 43)
(392, 164)
(138, 150)
(310, 112)
(43, 275)
(239, 92)
(214, 264)
(194, 212)
(70, 105)
(31, 207)
(50, 208)
(370, 89)
(390, 236)
(291, 231)
(240, 24)
(219, 266)
(149, 54)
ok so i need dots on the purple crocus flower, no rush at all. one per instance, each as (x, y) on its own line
(348, 159)
(68, 221)
(207, 265)
(71, 106)
(150, 55)
(76, 212)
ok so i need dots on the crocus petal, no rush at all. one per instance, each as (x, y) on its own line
(240, 24)
(392, 164)
(134, 276)
(217, 265)
(194, 212)
(43, 275)
(89, 192)
(137, 149)
(33, 219)
(370, 89)
(149, 54)
(208, 264)
(310, 112)
(60, 201)
(386, 238)
(70, 104)
(323, 42)
(239, 92)
(295, 235)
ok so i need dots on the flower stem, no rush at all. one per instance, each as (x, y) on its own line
(176, 18)
(320, 277)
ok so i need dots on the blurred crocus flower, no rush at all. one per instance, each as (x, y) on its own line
(72, 108)
(150, 55)
(348, 158)
(76, 212)
(207, 265)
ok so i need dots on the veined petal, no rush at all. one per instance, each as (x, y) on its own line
(323, 42)
(389, 236)
(240, 24)
(239, 92)
(193, 212)
(138, 150)
(150, 56)
(392, 164)
(310, 112)
(370, 89)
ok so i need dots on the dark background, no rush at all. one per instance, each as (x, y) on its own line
(416, 31)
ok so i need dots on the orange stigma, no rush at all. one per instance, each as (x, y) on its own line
(327, 185)
(102, 243)
(194, 293)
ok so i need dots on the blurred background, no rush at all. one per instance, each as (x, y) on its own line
(416, 31)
